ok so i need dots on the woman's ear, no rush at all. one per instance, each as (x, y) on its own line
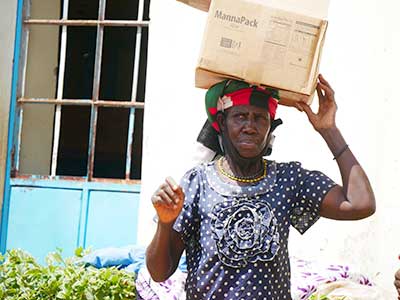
(274, 124)
(270, 143)
(271, 136)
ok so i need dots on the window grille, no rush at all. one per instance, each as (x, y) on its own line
(109, 104)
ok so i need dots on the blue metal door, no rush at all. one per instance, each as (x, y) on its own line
(76, 136)
(45, 215)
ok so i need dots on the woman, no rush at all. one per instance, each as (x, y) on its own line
(232, 215)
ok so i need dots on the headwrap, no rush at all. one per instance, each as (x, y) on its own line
(230, 93)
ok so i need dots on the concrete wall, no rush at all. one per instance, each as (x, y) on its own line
(8, 13)
(360, 60)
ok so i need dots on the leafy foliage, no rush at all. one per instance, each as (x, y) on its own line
(316, 297)
(324, 297)
(22, 278)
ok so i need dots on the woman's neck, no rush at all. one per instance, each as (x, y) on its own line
(244, 168)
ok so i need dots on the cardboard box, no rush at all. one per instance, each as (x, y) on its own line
(199, 4)
(262, 45)
(317, 9)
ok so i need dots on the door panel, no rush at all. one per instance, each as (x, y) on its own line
(43, 219)
(112, 219)
(45, 215)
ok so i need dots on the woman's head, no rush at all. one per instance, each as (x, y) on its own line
(242, 115)
(245, 128)
(230, 93)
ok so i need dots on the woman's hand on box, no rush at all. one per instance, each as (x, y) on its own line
(326, 115)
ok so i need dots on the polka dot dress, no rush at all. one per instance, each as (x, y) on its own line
(236, 237)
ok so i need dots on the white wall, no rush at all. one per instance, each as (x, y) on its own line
(360, 60)
(174, 108)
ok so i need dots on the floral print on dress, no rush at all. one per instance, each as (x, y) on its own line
(236, 236)
(245, 231)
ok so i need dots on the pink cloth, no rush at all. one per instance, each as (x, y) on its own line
(307, 278)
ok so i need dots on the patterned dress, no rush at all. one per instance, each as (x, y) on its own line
(236, 237)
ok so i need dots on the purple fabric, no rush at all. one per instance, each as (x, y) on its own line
(171, 289)
(308, 275)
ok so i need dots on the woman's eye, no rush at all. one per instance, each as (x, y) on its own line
(261, 118)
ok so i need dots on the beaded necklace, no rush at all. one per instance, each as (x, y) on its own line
(250, 179)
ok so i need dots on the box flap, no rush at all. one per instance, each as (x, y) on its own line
(199, 4)
(317, 9)
(313, 8)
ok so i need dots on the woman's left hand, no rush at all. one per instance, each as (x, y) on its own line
(325, 117)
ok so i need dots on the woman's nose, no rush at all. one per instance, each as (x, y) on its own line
(250, 124)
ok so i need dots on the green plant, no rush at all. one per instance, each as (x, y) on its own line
(22, 278)
(324, 297)
(316, 297)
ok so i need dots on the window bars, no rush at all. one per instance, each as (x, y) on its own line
(94, 103)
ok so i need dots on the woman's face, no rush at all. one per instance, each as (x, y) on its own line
(247, 128)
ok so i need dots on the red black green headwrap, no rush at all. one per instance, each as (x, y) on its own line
(230, 93)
